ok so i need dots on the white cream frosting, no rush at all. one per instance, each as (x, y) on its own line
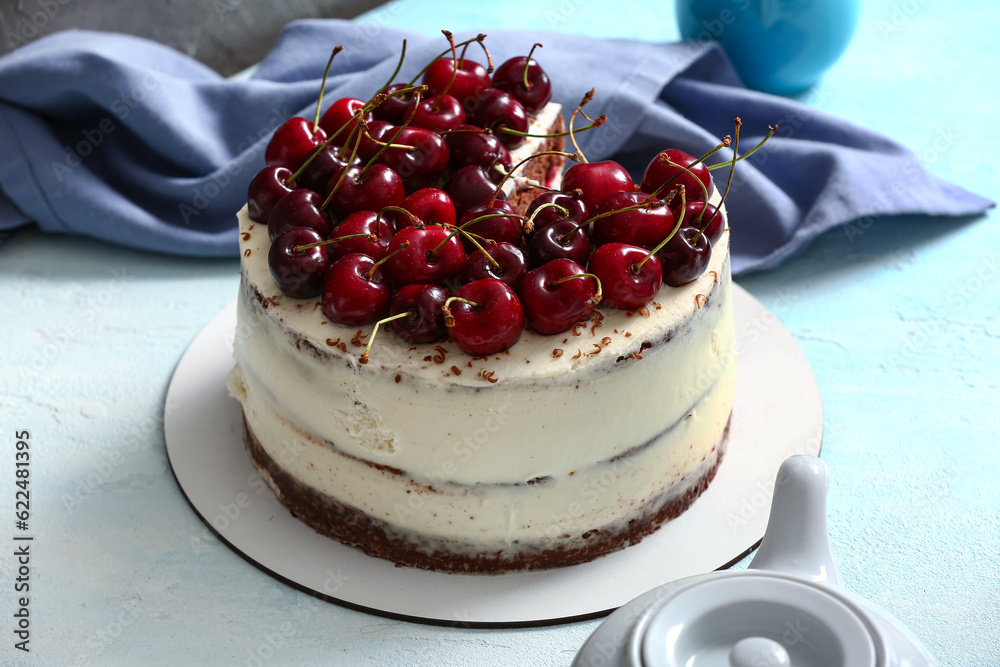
(469, 434)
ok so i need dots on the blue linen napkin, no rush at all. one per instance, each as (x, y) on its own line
(129, 141)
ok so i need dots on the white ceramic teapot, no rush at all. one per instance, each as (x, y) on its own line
(786, 610)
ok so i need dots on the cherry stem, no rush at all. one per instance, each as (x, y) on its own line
(677, 226)
(316, 151)
(343, 172)
(299, 249)
(399, 65)
(399, 209)
(596, 299)
(449, 319)
(391, 142)
(771, 130)
(686, 170)
(737, 122)
(473, 241)
(510, 172)
(467, 223)
(663, 159)
(371, 338)
(322, 86)
(548, 204)
(527, 62)
(454, 60)
(586, 98)
(477, 38)
(597, 122)
(402, 246)
(649, 202)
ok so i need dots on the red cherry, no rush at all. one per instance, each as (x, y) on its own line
(299, 208)
(339, 118)
(394, 108)
(498, 110)
(298, 273)
(658, 173)
(420, 166)
(500, 222)
(361, 222)
(644, 227)
(685, 256)
(266, 188)
(430, 205)
(424, 254)
(472, 145)
(510, 77)
(324, 161)
(486, 317)
(576, 210)
(471, 79)
(469, 186)
(554, 300)
(438, 114)
(425, 323)
(505, 262)
(292, 142)
(711, 219)
(596, 181)
(558, 240)
(379, 130)
(629, 279)
(353, 293)
(365, 189)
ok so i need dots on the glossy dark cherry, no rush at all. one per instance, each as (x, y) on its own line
(490, 326)
(576, 210)
(551, 307)
(497, 110)
(596, 181)
(339, 118)
(499, 222)
(685, 256)
(422, 261)
(298, 273)
(366, 190)
(292, 142)
(658, 172)
(361, 222)
(352, 297)
(469, 186)
(419, 167)
(558, 240)
(438, 113)
(299, 208)
(711, 219)
(394, 108)
(431, 206)
(471, 145)
(471, 79)
(511, 260)
(644, 227)
(509, 77)
(324, 161)
(268, 186)
(625, 284)
(425, 324)
(379, 130)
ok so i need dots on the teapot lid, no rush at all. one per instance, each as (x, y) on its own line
(749, 619)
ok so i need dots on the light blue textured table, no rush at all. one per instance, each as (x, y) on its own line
(899, 320)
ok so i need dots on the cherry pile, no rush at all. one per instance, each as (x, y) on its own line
(392, 211)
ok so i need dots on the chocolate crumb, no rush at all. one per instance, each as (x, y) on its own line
(398, 378)
(456, 370)
(246, 253)
(246, 236)
(699, 300)
(556, 353)
(606, 340)
(356, 341)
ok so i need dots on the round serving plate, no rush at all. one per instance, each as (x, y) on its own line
(777, 413)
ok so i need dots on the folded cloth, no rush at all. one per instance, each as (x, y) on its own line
(126, 140)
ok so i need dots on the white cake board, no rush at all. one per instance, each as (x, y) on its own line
(777, 413)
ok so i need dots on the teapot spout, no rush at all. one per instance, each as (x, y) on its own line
(796, 540)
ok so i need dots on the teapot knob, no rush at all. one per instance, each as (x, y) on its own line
(758, 652)
(796, 540)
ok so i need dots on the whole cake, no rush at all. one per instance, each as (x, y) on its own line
(536, 415)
